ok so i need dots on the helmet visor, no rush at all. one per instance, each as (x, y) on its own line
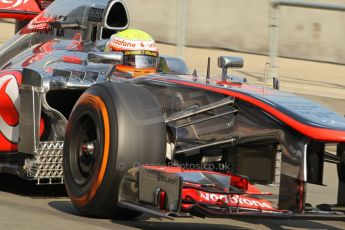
(140, 59)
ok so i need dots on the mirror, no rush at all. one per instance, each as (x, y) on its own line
(230, 62)
(226, 62)
(112, 58)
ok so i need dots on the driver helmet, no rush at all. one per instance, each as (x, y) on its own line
(140, 53)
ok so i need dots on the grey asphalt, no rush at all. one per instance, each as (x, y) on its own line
(24, 205)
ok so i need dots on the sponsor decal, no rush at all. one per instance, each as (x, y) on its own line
(40, 52)
(19, 9)
(13, 3)
(45, 47)
(40, 23)
(77, 38)
(141, 52)
(236, 200)
(9, 107)
(76, 43)
(95, 15)
(123, 44)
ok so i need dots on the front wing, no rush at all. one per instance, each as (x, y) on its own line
(174, 192)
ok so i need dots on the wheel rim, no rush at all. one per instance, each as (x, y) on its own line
(84, 149)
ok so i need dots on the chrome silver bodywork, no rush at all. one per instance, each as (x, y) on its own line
(226, 120)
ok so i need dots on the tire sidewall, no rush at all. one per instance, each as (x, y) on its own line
(135, 137)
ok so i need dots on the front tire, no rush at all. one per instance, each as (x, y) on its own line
(112, 128)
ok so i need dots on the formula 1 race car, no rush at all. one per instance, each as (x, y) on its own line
(169, 144)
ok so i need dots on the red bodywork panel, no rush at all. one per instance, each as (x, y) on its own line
(9, 107)
(19, 9)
